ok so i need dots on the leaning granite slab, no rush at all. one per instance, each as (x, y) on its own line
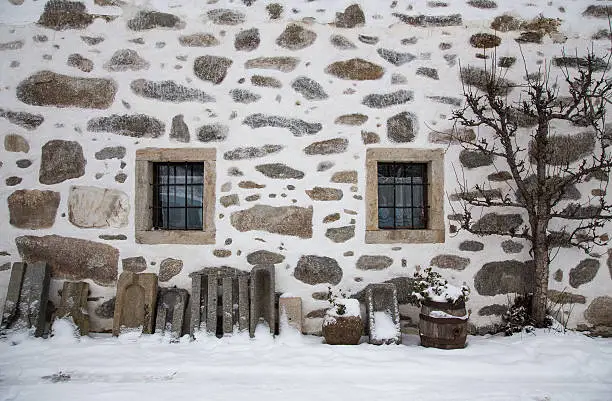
(262, 298)
(381, 303)
(290, 308)
(135, 302)
(74, 304)
(171, 306)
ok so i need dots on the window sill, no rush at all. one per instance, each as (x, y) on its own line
(404, 236)
(175, 237)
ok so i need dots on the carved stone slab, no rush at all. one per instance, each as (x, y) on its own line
(292, 308)
(243, 303)
(171, 305)
(74, 304)
(135, 302)
(382, 298)
(262, 298)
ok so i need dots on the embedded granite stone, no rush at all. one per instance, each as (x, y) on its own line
(453, 136)
(16, 143)
(453, 101)
(340, 234)
(14, 45)
(324, 194)
(309, 88)
(351, 119)
(126, 60)
(428, 72)
(274, 10)
(222, 253)
(198, 40)
(250, 185)
(71, 258)
(61, 15)
(263, 257)
(510, 246)
(120, 177)
(133, 125)
(506, 62)
(584, 273)
(369, 137)
(92, 40)
(229, 200)
(60, 161)
(168, 91)
(571, 192)
(296, 126)
(224, 16)
(450, 262)
(564, 297)
(398, 79)
(169, 268)
(46, 88)
(12, 181)
(475, 158)
(484, 40)
(566, 149)
(596, 64)
(251, 152)
(284, 220)
(279, 171)
(313, 270)
(402, 127)
(77, 61)
(247, 40)
(106, 310)
(530, 37)
(373, 262)
(325, 165)
(283, 64)
(484, 4)
(598, 11)
(341, 42)
(146, 19)
(355, 69)
(500, 176)
(599, 312)
(495, 309)
(212, 133)
(381, 101)
(509, 276)
(481, 79)
(494, 193)
(179, 131)
(558, 275)
(330, 218)
(28, 121)
(211, 68)
(492, 223)
(345, 177)
(471, 246)
(368, 39)
(296, 37)
(327, 147)
(268, 82)
(23, 163)
(33, 209)
(395, 58)
(430, 20)
(135, 264)
(351, 17)
(244, 96)
(93, 207)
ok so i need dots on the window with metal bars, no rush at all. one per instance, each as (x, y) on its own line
(178, 191)
(402, 195)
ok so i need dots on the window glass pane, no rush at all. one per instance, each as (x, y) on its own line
(383, 174)
(417, 196)
(177, 196)
(194, 218)
(176, 219)
(162, 196)
(403, 195)
(418, 218)
(403, 218)
(179, 173)
(195, 174)
(385, 218)
(162, 174)
(385, 195)
(163, 218)
(195, 195)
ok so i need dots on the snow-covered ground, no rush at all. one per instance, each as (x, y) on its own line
(543, 366)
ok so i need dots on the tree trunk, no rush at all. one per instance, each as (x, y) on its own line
(540, 282)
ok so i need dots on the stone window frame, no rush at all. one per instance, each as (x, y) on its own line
(435, 232)
(145, 234)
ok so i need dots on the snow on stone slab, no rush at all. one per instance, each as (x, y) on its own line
(384, 327)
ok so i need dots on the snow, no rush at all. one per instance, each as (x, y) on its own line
(384, 327)
(544, 366)
(351, 306)
(443, 315)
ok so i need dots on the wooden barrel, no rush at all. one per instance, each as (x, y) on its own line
(443, 332)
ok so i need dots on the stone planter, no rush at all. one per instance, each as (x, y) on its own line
(342, 330)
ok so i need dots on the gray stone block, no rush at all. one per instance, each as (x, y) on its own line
(211, 304)
(292, 308)
(262, 298)
(228, 305)
(171, 305)
(135, 302)
(382, 298)
(243, 303)
(74, 304)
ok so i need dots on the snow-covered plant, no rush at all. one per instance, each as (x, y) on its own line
(431, 286)
(333, 297)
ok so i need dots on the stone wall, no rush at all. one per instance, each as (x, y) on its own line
(290, 96)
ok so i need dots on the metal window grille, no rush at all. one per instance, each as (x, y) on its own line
(178, 193)
(402, 196)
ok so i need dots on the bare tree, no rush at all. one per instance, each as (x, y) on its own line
(541, 166)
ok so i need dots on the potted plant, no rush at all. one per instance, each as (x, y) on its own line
(342, 323)
(443, 318)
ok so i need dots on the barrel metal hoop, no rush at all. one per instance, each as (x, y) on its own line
(442, 320)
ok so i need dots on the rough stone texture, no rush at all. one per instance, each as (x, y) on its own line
(120, 177)
(504, 277)
(71, 258)
(500, 176)
(599, 312)
(558, 275)
(510, 246)
(450, 262)
(247, 40)
(229, 200)
(213, 133)
(330, 218)
(355, 69)
(106, 310)
(296, 37)
(110, 152)
(597, 64)
(262, 298)
(351, 119)
(340, 234)
(133, 125)
(369, 137)
(179, 131)
(584, 273)
(296, 126)
(452, 136)
(251, 152)
(250, 185)
(324, 194)
(491, 310)
(367, 39)
(267, 82)
(564, 297)
(498, 223)
(146, 20)
(126, 60)
(263, 257)
(12, 181)
(135, 302)
(564, 149)
(211, 68)
(73, 304)
(168, 91)
(327, 147)
(597, 11)
(61, 161)
(430, 20)
(475, 158)
(285, 220)
(350, 18)
(395, 58)
(92, 40)
(134, 264)
(244, 96)
(33, 209)
(345, 177)
(325, 165)
(274, 10)
(28, 121)
(171, 306)
(398, 79)
(283, 64)
(471, 246)
(480, 79)
(77, 61)
(453, 101)
(373, 262)
(380, 101)
(428, 72)
(530, 37)
(224, 16)
(383, 298)
(313, 269)
(571, 192)
(402, 127)
(279, 171)
(46, 88)
(92, 207)
(23, 163)
(309, 88)
(198, 40)
(341, 42)
(290, 308)
(16, 143)
(484, 40)
(14, 45)
(61, 15)
(169, 268)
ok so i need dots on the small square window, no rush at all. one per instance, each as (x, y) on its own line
(402, 196)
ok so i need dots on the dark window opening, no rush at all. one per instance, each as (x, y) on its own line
(178, 191)
(402, 196)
